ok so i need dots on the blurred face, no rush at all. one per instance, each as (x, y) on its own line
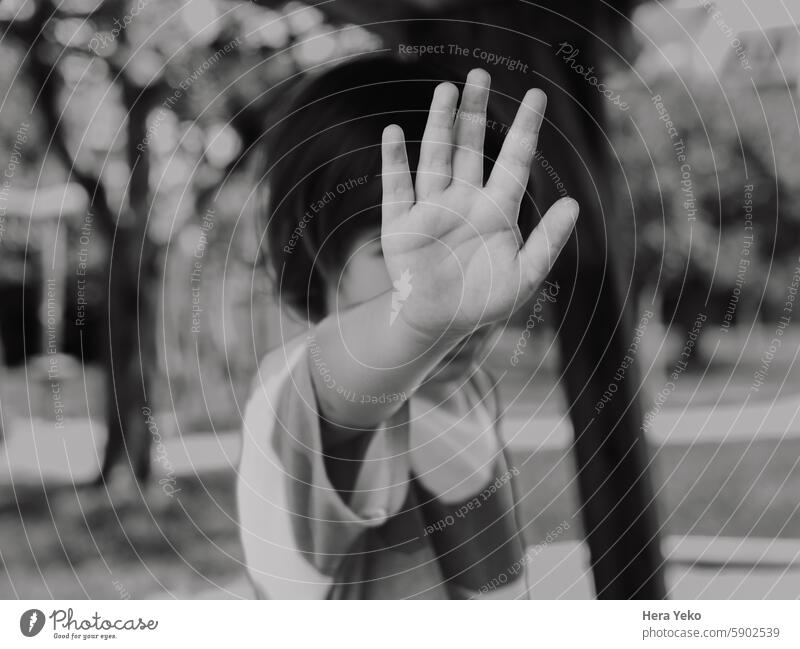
(365, 276)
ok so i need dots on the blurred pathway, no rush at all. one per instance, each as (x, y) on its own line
(37, 450)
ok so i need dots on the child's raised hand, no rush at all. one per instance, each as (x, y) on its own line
(451, 244)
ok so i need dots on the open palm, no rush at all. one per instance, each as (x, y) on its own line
(453, 241)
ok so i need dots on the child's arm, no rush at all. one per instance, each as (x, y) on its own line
(453, 250)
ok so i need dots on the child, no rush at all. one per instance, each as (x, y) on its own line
(372, 465)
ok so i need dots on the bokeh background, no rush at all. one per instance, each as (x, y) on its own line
(127, 131)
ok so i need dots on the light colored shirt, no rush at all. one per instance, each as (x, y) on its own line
(428, 510)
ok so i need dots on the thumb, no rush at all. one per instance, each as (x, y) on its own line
(540, 251)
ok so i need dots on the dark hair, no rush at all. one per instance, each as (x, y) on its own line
(329, 137)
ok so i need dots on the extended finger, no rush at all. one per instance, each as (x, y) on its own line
(398, 191)
(436, 150)
(470, 129)
(540, 251)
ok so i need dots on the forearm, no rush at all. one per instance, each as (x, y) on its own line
(364, 368)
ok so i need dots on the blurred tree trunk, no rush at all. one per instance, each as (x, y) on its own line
(130, 347)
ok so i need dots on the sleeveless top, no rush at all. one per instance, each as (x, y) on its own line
(429, 511)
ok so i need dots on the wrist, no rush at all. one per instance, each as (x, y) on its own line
(441, 339)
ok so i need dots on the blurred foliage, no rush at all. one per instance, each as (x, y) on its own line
(736, 135)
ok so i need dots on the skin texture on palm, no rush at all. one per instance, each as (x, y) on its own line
(454, 233)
